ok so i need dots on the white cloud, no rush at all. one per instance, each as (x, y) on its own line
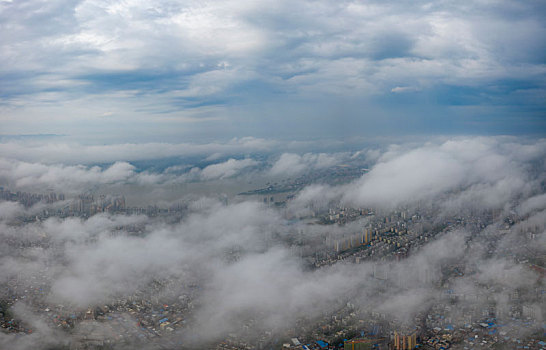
(23, 174)
(77, 153)
(9, 210)
(535, 203)
(478, 172)
(477, 167)
(226, 169)
(93, 261)
(402, 89)
(290, 164)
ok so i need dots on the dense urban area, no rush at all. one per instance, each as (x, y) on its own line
(370, 237)
(272, 175)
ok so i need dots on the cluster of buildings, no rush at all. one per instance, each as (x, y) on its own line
(89, 205)
(130, 320)
(84, 205)
(29, 199)
(338, 174)
(478, 327)
(454, 320)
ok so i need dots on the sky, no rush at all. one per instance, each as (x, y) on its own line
(439, 105)
(193, 71)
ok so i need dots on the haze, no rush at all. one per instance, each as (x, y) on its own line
(272, 175)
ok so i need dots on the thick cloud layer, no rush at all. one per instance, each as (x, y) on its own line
(71, 168)
(241, 264)
(226, 169)
(290, 164)
(480, 172)
(26, 174)
(487, 173)
(77, 179)
(58, 151)
(308, 68)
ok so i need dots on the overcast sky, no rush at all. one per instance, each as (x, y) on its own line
(193, 70)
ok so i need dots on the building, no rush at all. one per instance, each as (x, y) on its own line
(405, 341)
(358, 344)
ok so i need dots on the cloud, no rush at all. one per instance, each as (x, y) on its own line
(78, 178)
(402, 89)
(226, 169)
(78, 153)
(41, 337)
(9, 210)
(23, 174)
(243, 266)
(479, 170)
(232, 56)
(33, 164)
(290, 164)
(534, 203)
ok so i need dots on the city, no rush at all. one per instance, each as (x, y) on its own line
(380, 243)
(272, 175)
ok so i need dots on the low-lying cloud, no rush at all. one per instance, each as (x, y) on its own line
(243, 265)
(290, 164)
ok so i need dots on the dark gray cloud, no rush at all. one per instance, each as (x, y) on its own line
(197, 65)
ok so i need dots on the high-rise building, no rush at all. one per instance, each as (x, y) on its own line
(367, 236)
(405, 341)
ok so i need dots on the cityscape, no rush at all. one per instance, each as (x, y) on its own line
(272, 175)
(402, 276)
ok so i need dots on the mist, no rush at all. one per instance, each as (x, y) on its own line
(240, 267)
